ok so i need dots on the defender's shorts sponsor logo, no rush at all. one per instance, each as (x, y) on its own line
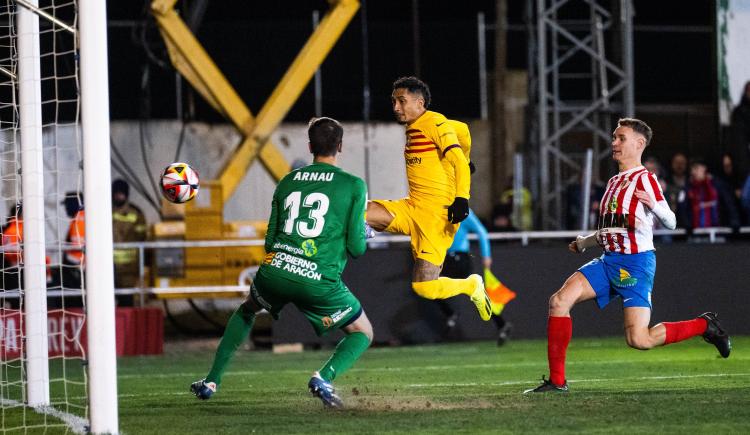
(308, 246)
(331, 320)
(296, 265)
(313, 176)
(625, 279)
(413, 160)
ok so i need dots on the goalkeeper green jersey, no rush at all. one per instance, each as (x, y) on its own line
(317, 217)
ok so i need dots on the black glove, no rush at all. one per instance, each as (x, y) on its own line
(459, 210)
(472, 168)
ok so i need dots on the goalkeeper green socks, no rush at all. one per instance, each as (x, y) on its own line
(237, 330)
(349, 349)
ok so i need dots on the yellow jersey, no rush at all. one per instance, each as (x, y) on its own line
(431, 177)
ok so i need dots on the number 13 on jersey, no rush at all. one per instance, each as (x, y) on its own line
(314, 207)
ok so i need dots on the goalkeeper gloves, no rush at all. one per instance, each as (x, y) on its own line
(472, 167)
(459, 210)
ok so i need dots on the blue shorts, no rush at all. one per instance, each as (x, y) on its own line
(629, 276)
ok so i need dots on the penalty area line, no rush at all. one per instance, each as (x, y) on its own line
(573, 381)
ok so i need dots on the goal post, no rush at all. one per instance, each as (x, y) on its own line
(102, 360)
(54, 145)
(32, 182)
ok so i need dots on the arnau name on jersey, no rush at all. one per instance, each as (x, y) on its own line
(313, 176)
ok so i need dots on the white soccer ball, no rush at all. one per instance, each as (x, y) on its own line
(179, 182)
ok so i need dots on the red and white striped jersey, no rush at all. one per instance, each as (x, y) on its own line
(625, 224)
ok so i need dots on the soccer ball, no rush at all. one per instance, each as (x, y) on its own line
(179, 182)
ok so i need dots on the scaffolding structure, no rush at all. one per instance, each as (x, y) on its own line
(581, 82)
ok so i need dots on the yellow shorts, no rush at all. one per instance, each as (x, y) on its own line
(431, 233)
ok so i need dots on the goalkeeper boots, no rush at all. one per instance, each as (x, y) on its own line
(480, 298)
(324, 391)
(202, 389)
(716, 335)
(547, 387)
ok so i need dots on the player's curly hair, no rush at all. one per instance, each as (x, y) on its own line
(325, 136)
(414, 86)
(638, 126)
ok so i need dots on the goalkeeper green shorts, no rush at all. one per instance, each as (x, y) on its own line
(327, 306)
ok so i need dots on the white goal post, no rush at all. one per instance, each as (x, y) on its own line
(97, 184)
(54, 102)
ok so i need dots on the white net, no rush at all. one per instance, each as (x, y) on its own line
(63, 218)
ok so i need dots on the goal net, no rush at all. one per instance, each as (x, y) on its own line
(45, 357)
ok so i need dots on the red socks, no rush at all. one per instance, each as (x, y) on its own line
(678, 331)
(559, 332)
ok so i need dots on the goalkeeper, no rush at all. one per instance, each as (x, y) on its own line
(437, 170)
(317, 217)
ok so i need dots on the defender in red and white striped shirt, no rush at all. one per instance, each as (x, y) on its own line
(626, 270)
(625, 221)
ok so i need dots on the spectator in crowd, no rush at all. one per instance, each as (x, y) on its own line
(575, 203)
(745, 199)
(676, 179)
(502, 220)
(12, 236)
(128, 225)
(73, 261)
(522, 217)
(699, 202)
(729, 185)
(740, 132)
(653, 166)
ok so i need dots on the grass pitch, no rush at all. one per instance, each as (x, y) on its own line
(464, 388)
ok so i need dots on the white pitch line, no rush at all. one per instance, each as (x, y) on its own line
(640, 378)
(76, 423)
(499, 365)
(475, 384)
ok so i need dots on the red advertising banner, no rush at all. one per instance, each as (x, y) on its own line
(138, 331)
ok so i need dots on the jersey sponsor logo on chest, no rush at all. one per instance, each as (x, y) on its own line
(296, 265)
(615, 220)
(313, 176)
(413, 160)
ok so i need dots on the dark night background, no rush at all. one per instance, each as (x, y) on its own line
(253, 43)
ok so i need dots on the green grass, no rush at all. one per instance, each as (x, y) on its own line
(464, 388)
(453, 388)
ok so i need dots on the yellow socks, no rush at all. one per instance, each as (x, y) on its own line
(443, 288)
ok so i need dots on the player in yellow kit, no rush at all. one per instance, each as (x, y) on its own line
(438, 173)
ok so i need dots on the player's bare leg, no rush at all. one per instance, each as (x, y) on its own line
(576, 289)
(358, 338)
(637, 333)
(640, 336)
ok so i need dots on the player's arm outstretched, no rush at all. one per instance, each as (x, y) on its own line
(581, 243)
(356, 242)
